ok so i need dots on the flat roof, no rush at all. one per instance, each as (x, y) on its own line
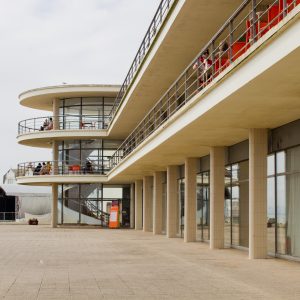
(41, 98)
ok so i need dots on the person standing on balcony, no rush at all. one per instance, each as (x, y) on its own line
(203, 67)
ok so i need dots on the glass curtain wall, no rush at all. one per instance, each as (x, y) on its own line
(236, 205)
(91, 203)
(90, 156)
(284, 202)
(88, 112)
(203, 206)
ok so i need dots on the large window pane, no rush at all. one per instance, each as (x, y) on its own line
(293, 201)
(281, 214)
(202, 216)
(271, 214)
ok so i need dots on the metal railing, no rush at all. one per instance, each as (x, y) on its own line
(85, 206)
(248, 24)
(64, 122)
(97, 213)
(155, 25)
(39, 168)
(9, 216)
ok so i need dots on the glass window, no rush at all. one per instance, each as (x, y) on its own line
(203, 206)
(89, 101)
(85, 113)
(236, 205)
(281, 214)
(84, 204)
(293, 201)
(271, 214)
(72, 102)
(271, 165)
(280, 162)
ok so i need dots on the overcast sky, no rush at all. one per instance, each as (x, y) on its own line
(47, 42)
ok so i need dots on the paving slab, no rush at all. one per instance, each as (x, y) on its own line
(39, 262)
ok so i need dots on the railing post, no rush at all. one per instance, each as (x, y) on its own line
(213, 61)
(254, 21)
(185, 86)
(284, 8)
(230, 40)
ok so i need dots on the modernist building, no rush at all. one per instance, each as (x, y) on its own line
(204, 129)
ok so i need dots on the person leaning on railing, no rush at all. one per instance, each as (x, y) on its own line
(203, 65)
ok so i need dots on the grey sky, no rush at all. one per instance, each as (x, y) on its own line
(47, 42)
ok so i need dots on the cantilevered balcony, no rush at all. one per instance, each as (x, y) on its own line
(47, 172)
(41, 131)
(249, 29)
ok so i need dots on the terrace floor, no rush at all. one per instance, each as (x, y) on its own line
(38, 262)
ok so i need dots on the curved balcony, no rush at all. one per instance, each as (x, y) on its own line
(48, 172)
(66, 122)
(42, 130)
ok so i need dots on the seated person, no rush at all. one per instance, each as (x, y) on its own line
(37, 169)
(43, 170)
(88, 167)
(45, 124)
(48, 167)
(50, 125)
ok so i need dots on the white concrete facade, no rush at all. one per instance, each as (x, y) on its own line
(256, 94)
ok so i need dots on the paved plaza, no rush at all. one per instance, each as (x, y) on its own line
(38, 262)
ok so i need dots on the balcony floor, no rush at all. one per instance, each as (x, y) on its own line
(38, 262)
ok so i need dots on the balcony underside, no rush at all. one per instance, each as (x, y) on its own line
(61, 179)
(42, 98)
(263, 91)
(43, 139)
(196, 21)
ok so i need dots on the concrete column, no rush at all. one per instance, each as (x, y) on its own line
(132, 205)
(147, 203)
(190, 200)
(157, 202)
(258, 149)
(56, 103)
(172, 201)
(54, 169)
(217, 188)
(138, 205)
(54, 205)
